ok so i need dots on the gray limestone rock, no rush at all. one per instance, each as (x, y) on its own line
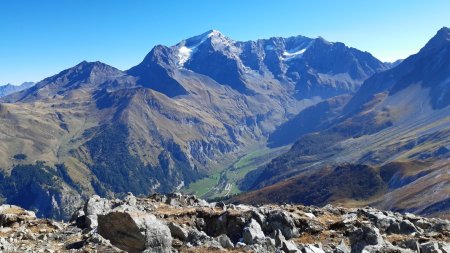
(135, 232)
(177, 231)
(252, 232)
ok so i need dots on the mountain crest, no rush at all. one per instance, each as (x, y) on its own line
(444, 33)
(200, 39)
(86, 66)
(441, 39)
(85, 73)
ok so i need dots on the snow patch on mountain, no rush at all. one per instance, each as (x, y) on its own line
(296, 52)
(184, 53)
(270, 47)
(289, 54)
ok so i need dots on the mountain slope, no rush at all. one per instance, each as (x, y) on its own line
(398, 186)
(314, 118)
(400, 115)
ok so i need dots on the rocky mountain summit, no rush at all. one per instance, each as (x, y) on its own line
(184, 223)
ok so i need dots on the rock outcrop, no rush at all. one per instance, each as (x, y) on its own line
(135, 232)
(179, 223)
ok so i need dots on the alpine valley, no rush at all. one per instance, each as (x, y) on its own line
(295, 119)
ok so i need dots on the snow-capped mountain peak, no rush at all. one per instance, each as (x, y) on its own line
(214, 33)
(186, 48)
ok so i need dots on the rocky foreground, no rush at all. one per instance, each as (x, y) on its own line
(179, 223)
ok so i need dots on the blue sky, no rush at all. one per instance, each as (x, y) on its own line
(41, 38)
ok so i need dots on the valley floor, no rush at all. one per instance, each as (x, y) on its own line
(224, 182)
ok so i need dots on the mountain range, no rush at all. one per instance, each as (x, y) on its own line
(187, 112)
(9, 88)
(387, 145)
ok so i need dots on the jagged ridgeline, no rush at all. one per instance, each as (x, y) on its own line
(183, 113)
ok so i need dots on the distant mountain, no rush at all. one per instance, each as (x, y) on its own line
(397, 124)
(182, 113)
(394, 64)
(8, 89)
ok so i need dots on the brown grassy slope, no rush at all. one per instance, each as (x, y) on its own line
(403, 186)
(427, 195)
(319, 187)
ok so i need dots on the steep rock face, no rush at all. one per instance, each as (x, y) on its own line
(156, 72)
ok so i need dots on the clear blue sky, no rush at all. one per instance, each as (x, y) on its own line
(38, 38)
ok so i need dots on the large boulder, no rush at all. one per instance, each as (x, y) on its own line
(130, 199)
(201, 239)
(10, 214)
(225, 242)
(214, 224)
(94, 206)
(282, 243)
(290, 247)
(5, 246)
(197, 238)
(252, 232)
(380, 219)
(445, 247)
(410, 243)
(177, 231)
(407, 227)
(430, 247)
(441, 226)
(366, 235)
(267, 245)
(404, 227)
(97, 205)
(135, 232)
(283, 221)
